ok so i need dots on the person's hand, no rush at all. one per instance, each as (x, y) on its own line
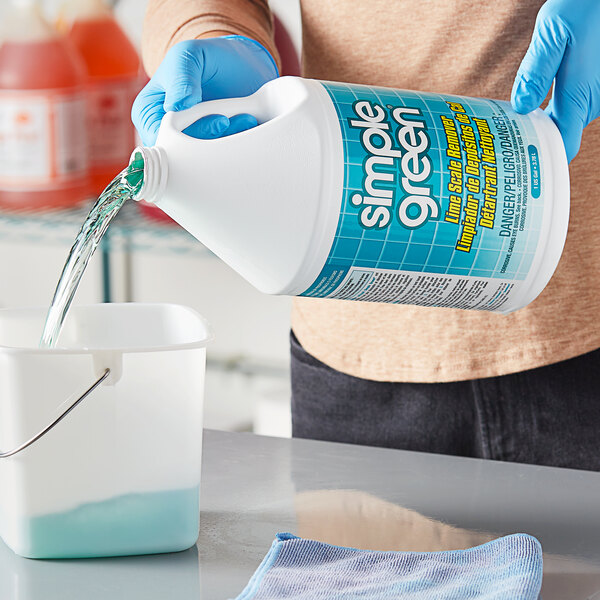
(565, 47)
(197, 70)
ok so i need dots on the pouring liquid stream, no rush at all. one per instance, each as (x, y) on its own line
(124, 186)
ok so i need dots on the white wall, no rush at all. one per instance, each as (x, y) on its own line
(32, 255)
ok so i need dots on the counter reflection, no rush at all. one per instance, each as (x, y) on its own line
(155, 577)
(361, 520)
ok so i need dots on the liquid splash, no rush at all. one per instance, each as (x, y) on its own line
(123, 187)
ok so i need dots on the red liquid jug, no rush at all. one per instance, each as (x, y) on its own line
(113, 81)
(43, 141)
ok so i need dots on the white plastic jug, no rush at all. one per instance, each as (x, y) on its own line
(363, 193)
(119, 473)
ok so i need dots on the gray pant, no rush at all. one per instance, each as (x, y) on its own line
(545, 416)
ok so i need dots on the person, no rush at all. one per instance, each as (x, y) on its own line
(520, 387)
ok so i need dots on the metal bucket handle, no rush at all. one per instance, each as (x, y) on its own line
(52, 425)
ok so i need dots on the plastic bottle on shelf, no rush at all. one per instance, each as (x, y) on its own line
(114, 79)
(43, 141)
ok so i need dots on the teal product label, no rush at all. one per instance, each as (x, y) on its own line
(441, 203)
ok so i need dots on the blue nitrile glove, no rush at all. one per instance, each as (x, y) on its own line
(207, 69)
(565, 47)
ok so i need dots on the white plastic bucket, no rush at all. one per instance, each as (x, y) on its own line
(120, 474)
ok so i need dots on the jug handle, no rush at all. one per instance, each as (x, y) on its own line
(229, 107)
(56, 421)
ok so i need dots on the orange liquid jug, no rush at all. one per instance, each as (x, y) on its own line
(113, 70)
(43, 157)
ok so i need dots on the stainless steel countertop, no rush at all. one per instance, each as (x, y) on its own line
(253, 487)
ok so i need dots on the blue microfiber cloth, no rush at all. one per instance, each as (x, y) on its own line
(509, 568)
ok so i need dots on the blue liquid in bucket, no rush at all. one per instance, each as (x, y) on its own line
(148, 523)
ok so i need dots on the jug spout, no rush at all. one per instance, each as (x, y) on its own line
(154, 167)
